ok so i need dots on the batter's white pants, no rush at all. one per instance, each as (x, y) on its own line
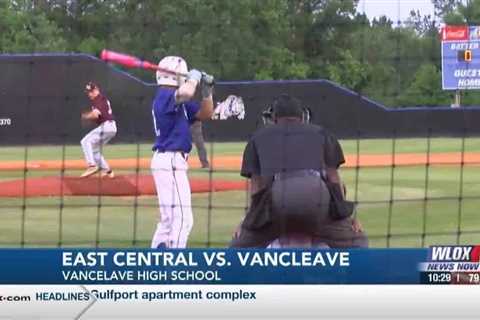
(94, 141)
(175, 220)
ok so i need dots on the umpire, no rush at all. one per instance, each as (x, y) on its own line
(295, 184)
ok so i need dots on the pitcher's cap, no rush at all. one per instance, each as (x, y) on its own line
(90, 86)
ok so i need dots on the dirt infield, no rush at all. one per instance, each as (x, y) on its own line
(126, 185)
(143, 185)
(234, 162)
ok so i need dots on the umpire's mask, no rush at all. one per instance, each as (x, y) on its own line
(285, 106)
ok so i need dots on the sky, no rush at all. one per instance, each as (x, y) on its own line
(394, 9)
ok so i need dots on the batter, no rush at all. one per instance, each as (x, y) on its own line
(173, 113)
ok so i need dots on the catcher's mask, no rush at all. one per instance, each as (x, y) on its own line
(286, 106)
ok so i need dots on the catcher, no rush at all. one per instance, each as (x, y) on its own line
(92, 144)
(295, 185)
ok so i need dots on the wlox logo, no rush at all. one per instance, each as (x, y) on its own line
(454, 254)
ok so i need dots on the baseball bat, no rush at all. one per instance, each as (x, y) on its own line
(133, 62)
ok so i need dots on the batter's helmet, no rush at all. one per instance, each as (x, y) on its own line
(172, 63)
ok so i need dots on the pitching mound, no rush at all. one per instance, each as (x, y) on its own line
(129, 185)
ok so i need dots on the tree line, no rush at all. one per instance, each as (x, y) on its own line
(397, 63)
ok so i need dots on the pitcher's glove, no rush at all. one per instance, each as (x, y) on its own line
(84, 121)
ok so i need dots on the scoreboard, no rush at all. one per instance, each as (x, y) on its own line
(460, 57)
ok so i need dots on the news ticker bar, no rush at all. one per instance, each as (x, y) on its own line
(436, 265)
(239, 302)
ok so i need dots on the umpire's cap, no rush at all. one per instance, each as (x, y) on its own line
(287, 106)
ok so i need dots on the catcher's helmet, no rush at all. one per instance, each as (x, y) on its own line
(286, 106)
(172, 63)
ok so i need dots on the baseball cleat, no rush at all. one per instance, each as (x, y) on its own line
(108, 174)
(90, 170)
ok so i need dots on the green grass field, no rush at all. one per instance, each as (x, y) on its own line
(366, 146)
(126, 221)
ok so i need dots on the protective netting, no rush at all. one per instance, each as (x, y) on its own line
(413, 172)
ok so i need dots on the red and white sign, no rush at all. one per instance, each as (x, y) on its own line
(455, 33)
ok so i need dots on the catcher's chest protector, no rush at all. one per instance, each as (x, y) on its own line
(301, 199)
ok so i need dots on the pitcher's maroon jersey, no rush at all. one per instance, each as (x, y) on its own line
(102, 104)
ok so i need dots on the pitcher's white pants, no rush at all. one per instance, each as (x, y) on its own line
(175, 220)
(93, 142)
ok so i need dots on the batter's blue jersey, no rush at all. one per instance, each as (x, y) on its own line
(171, 122)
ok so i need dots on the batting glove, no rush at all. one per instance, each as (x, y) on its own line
(194, 74)
(207, 84)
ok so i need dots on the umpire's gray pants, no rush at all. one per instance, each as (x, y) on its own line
(335, 234)
(301, 205)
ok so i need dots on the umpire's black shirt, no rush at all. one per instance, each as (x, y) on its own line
(288, 147)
